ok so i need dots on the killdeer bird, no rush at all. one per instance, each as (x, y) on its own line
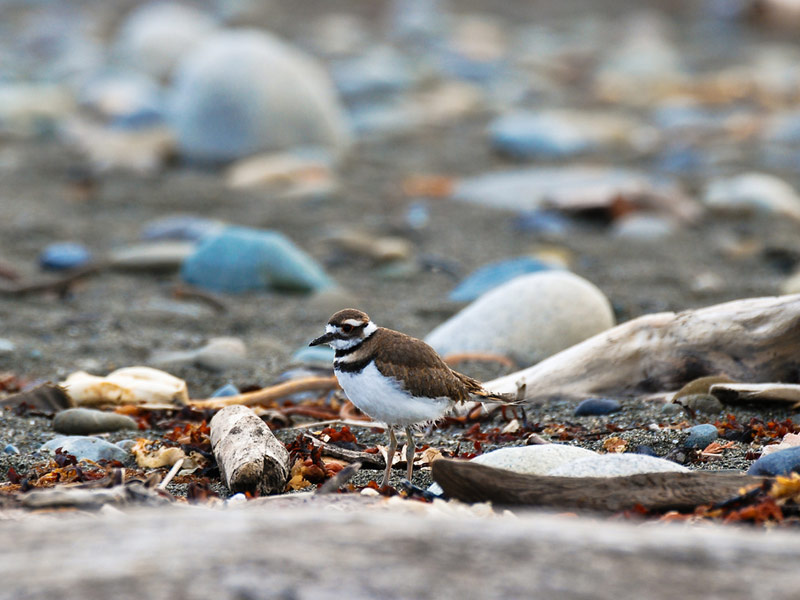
(394, 378)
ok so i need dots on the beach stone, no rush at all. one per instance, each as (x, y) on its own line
(533, 187)
(643, 227)
(7, 346)
(124, 98)
(533, 135)
(616, 465)
(777, 463)
(86, 448)
(700, 436)
(11, 449)
(538, 459)
(542, 222)
(597, 406)
(703, 403)
(155, 36)
(189, 228)
(218, 354)
(243, 92)
(240, 260)
(61, 256)
(751, 193)
(126, 445)
(226, 390)
(83, 421)
(671, 409)
(316, 355)
(528, 318)
(379, 72)
(493, 274)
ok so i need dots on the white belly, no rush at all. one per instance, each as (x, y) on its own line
(382, 399)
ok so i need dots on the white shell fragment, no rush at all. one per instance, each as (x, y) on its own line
(130, 385)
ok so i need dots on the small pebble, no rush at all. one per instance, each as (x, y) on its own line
(491, 275)
(11, 449)
(126, 445)
(64, 255)
(646, 450)
(703, 403)
(700, 436)
(777, 463)
(226, 390)
(7, 346)
(83, 421)
(218, 354)
(597, 406)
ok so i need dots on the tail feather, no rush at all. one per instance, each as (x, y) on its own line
(482, 394)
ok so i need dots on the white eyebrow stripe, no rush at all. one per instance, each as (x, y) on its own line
(354, 322)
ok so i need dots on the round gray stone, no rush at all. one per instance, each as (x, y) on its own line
(701, 436)
(528, 319)
(82, 421)
(616, 465)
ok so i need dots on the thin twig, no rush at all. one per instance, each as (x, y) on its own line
(172, 472)
(59, 284)
(268, 394)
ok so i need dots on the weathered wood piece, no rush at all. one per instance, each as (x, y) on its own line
(249, 456)
(473, 482)
(268, 394)
(744, 393)
(258, 552)
(367, 460)
(756, 339)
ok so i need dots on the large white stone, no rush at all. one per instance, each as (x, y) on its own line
(616, 465)
(245, 91)
(528, 319)
(753, 192)
(539, 459)
(155, 36)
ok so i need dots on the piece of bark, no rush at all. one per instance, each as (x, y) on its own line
(249, 456)
(367, 460)
(258, 551)
(47, 397)
(744, 393)
(473, 482)
(756, 339)
(268, 394)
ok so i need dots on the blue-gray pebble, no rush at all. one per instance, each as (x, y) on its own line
(64, 255)
(11, 449)
(493, 274)
(86, 448)
(597, 406)
(782, 462)
(240, 259)
(700, 436)
(226, 390)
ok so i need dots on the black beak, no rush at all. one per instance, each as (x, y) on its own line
(323, 339)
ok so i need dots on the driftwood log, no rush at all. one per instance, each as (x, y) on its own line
(752, 340)
(256, 552)
(249, 456)
(472, 482)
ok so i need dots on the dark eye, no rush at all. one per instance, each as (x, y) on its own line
(347, 328)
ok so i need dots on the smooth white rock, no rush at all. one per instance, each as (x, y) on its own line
(528, 318)
(246, 91)
(538, 459)
(753, 192)
(616, 465)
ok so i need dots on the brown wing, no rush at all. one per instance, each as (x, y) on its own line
(422, 370)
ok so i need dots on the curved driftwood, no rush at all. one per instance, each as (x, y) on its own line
(756, 339)
(257, 552)
(472, 482)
